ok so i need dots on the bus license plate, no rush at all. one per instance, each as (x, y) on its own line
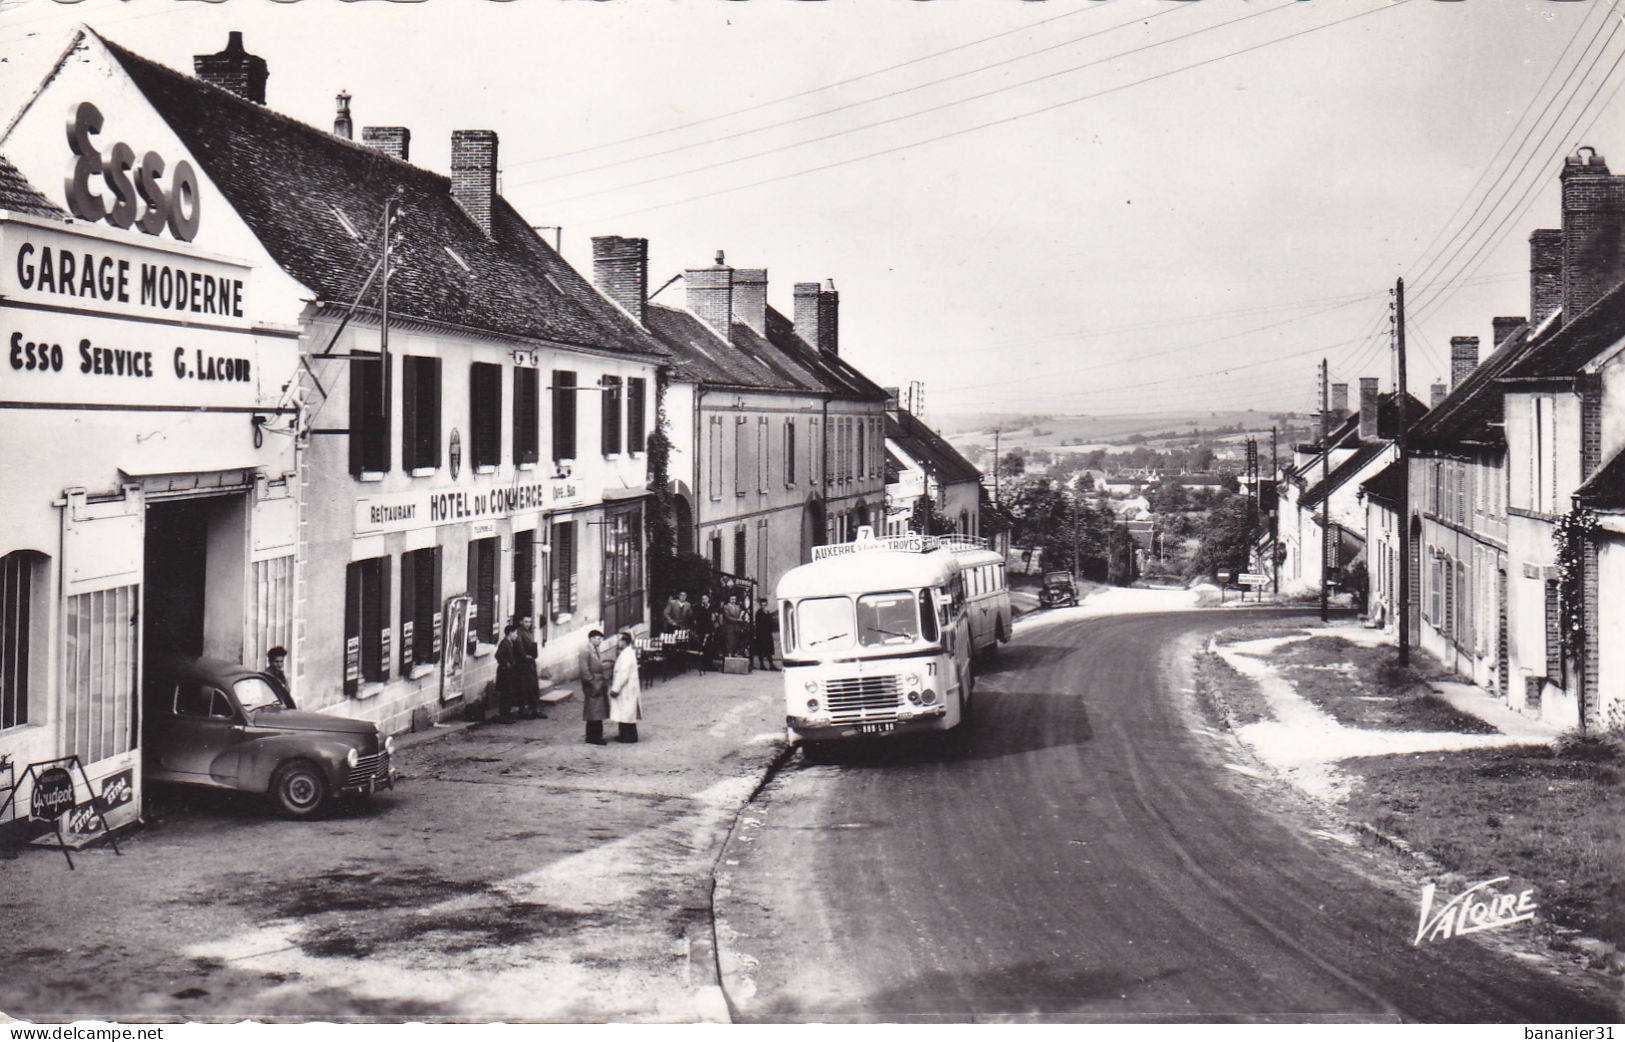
(876, 728)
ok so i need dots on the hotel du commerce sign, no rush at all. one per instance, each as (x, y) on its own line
(428, 508)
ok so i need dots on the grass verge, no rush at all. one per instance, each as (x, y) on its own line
(1552, 817)
(1364, 687)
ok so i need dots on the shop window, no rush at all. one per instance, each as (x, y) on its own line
(789, 452)
(482, 589)
(420, 413)
(420, 607)
(564, 415)
(366, 623)
(17, 619)
(612, 415)
(623, 569)
(524, 575)
(562, 568)
(485, 414)
(637, 395)
(527, 431)
(369, 417)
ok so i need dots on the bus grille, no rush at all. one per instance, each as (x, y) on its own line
(862, 698)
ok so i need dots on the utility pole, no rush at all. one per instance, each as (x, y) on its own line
(1075, 572)
(1405, 480)
(996, 466)
(1275, 519)
(1325, 476)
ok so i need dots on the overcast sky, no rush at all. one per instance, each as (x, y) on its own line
(1016, 209)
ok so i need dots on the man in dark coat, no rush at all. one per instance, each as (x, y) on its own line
(763, 626)
(525, 676)
(594, 687)
(506, 689)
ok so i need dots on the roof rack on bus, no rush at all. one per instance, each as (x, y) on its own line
(909, 542)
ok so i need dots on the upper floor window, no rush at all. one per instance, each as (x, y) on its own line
(714, 457)
(485, 414)
(637, 420)
(564, 414)
(761, 454)
(740, 471)
(527, 433)
(420, 413)
(789, 452)
(369, 417)
(612, 415)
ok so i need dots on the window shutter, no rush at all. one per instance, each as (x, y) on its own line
(352, 628)
(1554, 632)
(409, 413)
(636, 418)
(409, 614)
(611, 414)
(564, 414)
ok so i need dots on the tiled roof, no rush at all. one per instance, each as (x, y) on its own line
(1471, 413)
(289, 182)
(841, 378)
(1606, 488)
(18, 196)
(940, 459)
(1341, 473)
(699, 354)
(1566, 352)
(1387, 484)
(894, 468)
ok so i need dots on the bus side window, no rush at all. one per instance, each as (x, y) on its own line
(928, 616)
(787, 626)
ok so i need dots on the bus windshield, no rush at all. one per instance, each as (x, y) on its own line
(888, 618)
(824, 623)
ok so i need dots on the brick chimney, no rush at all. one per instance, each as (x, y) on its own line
(1340, 400)
(1370, 405)
(1503, 326)
(392, 141)
(710, 295)
(817, 316)
(1593, 231)
(750, 298)
(1463, 358)
(474, 174)
(234, 69)
(620, 270)
(1545, 274)
(1436, 395)
(342, 127)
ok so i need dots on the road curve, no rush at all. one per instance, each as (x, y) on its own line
(1082, 855)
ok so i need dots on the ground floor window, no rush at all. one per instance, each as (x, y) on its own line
(562, 568)
(366, 623)
(98, 679)
(482, 589)
(524, 574)
(420, 607)
(270, 609)
(16, 634)
(623, 568)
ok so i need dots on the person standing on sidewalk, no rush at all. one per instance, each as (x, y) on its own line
(705, 630)
(594, 687)
(505, 687)
(762, 627)
(525, 677)
(679, 613)
(625, 690)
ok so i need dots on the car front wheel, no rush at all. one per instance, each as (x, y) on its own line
(300, 789)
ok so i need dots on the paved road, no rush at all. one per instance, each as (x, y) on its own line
(1085, 855)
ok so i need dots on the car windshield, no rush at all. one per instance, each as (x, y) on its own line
(888, 618)
(1054, 578)
(824, 623)
(257, 693)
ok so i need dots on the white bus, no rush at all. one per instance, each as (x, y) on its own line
(987, 596)
(877, 639)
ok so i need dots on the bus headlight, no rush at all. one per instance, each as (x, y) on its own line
(929, 697)
(812, 687)
(914, 698)
(812, 705)
(912, 680)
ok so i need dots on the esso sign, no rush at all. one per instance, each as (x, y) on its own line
(135, 186)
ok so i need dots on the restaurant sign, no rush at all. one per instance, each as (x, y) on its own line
(428, 508)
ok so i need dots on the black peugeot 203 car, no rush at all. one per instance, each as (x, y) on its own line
(223, 725)
(1058, 589)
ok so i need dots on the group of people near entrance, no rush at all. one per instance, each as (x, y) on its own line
(726, 631)
(610, 689)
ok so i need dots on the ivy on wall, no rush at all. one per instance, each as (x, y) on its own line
(1573, 531)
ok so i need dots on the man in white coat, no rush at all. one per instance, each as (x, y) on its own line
(625, 692)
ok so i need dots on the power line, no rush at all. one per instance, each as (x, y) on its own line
(925, 111)
(1094, 5)
(641, 157)
(1003, 120)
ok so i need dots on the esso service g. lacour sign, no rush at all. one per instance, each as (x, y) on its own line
(141, 196)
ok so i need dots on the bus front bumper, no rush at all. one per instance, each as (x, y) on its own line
(909, 719)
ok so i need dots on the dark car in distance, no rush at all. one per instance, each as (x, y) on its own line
(223, 725)
(1058, 589)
